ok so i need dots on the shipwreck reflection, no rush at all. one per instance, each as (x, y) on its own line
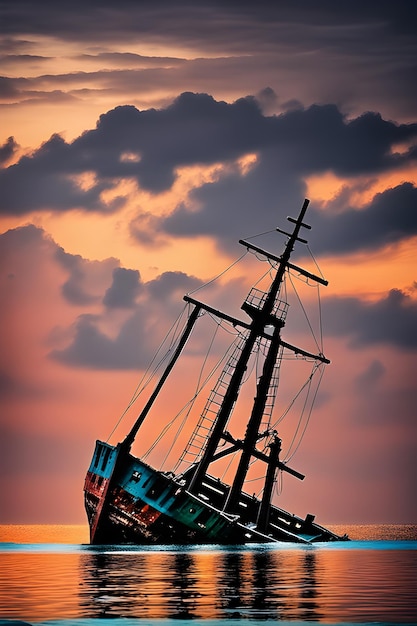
(182, 583)
(268, 584)
(183, 596)
(111, 585)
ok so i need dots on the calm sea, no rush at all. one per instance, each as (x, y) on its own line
(49, 575)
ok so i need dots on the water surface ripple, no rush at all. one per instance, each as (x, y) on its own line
(359, 582)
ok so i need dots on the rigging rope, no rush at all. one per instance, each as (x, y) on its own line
(267, 232)
(191, 402)
(320, 318)
(304, 311)
(290, 455)
(232, 456)
(175, 331)
(148, 375)
(188, 406)
(250, 366)
(279, 479)
(318, 292)
(314, 261)
(291, 404)
(221, 273)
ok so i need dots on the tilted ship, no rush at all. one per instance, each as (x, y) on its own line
(129, 500)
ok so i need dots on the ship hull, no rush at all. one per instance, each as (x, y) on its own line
(128, 501)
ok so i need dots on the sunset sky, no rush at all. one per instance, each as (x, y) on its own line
(139, 142)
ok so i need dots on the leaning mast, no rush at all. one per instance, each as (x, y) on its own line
(261, 318)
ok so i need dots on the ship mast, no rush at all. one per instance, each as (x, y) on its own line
(261, 318)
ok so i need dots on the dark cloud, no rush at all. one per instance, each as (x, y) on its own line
(86, 278)
(389, 218)
(103, 19)
(98, 338)
(8, 150)
(44, 181)
(91, 348)
(23, 59)
(125, 287)
(300, 143)
(197, 129)
(371, 376)
(130, 82)
(322, 52)
(171, 283)
(137, 338)
(73, 289)
(239, 205)
(22, 240)
(8, 88)
(389, 321)
(129, 58)
(8, 45)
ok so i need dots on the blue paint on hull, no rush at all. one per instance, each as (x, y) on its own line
(145, 506)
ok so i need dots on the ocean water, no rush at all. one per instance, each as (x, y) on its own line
(49, 575)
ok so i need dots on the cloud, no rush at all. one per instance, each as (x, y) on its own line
(390, 217)
(371, 376)
(198, 130)
(136, 339)
(8, 150)
(21, 242)
(295, 149)
(73, 289)
(390, 321)
(8, 88)
(96, 21)
(92, 337)
(130, 58)
(44, 181)
(85, 277)
(170, 283)
(123, 290)
(355, 57)
(91, 348)
(90, 314)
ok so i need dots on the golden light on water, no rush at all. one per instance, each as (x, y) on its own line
(354, 582)
(44, 533)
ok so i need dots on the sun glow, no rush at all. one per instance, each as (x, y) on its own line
(387, 268)
(359, 191)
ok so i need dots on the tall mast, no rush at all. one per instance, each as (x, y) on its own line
(252, 430)
(264, 509)
(261, 318)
